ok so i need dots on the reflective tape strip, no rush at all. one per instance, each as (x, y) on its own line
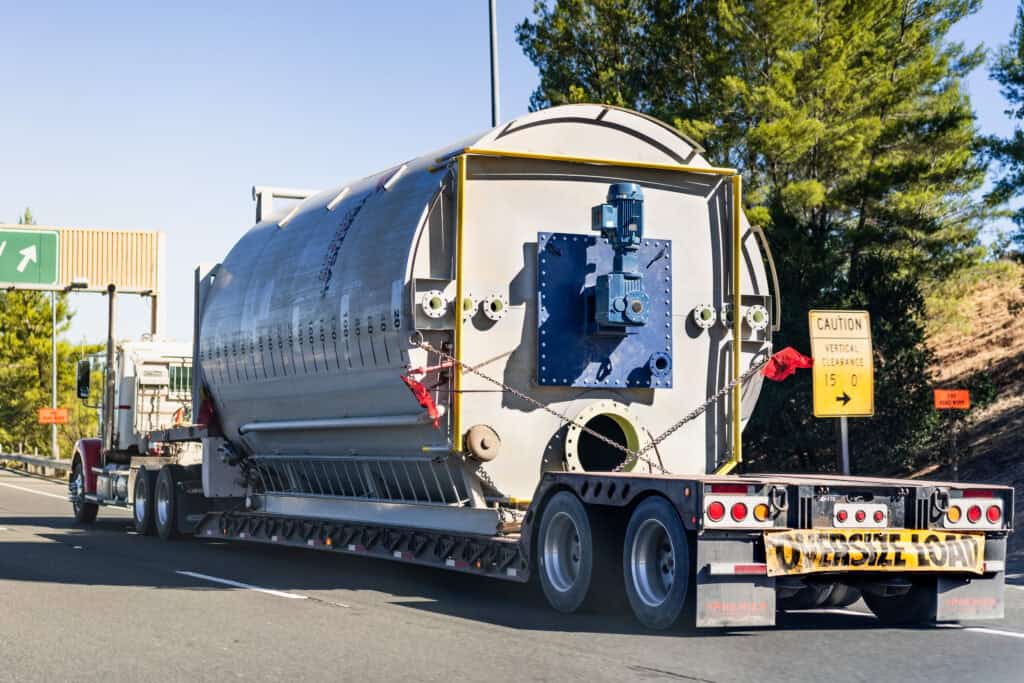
(995, 566)
(737, 568)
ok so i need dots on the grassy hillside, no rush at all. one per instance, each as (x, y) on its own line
(976, 328)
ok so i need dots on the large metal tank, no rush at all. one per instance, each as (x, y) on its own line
(311, 321)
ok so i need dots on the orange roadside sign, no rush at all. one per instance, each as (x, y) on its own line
(952, 399)
(53, 416)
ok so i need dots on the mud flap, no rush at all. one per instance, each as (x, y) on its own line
(191, 506)
(963, 598)
(732, 600)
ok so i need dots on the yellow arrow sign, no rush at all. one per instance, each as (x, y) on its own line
(844, 371)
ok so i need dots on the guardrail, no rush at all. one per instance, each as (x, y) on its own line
(50, 463)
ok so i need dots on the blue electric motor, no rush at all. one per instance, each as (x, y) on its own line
(621, 303)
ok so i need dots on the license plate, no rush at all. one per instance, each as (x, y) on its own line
(810, 551)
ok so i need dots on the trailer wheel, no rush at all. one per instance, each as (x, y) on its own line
(809, 597)
(916, 606)
(566, 552)
(85, 512)
(165, 502)
(142, 501)
(656, 563)
(842, 595)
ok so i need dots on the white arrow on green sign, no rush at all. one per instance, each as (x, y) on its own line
(29, 256)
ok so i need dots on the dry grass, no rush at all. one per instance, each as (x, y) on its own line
(977, 325)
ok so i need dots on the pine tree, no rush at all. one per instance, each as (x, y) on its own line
(856, 143)
(26, 374)
(1008, 71)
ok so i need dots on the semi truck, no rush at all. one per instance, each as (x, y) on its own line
(531, 356)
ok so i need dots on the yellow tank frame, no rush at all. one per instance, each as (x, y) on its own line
(737, 189)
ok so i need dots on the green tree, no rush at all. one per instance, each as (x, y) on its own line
(1008, 71)
(857, 146)
(25, 371)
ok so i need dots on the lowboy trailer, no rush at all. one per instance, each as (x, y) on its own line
(479, 360)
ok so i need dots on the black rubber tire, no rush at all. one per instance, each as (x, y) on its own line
(916, 606)
(842, 595)
(84, 511)
(666, 613)
(584, 588)
(145, 485)
(166, 491)
(811, 596)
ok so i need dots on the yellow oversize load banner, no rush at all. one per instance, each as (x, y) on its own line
(809, 551)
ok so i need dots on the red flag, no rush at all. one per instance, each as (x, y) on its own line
(423, 396)
(784, 363)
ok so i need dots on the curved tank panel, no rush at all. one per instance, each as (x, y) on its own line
(600, 304)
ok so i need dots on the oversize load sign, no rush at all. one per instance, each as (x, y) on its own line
(807, 551)
(844, 371)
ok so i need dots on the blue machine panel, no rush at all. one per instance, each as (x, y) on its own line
(573, 349)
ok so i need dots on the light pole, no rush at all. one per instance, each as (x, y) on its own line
(495, 104)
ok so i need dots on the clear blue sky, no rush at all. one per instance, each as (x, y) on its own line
(127, 115)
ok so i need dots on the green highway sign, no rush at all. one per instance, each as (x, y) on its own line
(29, 257)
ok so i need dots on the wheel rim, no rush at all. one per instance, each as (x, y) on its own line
(562, 552)
(140, 500)
(163, 504)
(653, 560)
(76, 487)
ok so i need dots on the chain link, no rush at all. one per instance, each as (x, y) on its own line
(632, 456)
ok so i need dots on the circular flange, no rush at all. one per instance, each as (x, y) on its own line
(469, 306)
(495, 306)
(726, 317)
(757, 317)
(704, 316)
(636, 437)
(433, 303)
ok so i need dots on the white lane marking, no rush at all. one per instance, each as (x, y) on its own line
(840, 611)
(59, 497)
(38, 493)
(994, 631)
(239, 584)
(1015, 587)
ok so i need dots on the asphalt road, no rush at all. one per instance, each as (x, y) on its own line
(101, 603)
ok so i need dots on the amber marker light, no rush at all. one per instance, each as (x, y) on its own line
(761, 512)
(954, 513)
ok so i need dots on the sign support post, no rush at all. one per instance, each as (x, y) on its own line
(844, 436)
(54, 450)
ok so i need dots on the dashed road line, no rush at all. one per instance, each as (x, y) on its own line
(239, 584)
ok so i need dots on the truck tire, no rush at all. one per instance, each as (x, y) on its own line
(568, 552)
(85, 512)
(916, 606)
(142, 502)
(656, 563)
(166, 501)
(812, 596)
(842, 595)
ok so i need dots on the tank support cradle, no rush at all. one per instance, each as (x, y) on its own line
(498, 557)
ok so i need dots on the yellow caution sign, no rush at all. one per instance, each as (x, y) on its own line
(809, 551)
(844, 370)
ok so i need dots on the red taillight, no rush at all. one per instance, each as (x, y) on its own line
(739, 512)
(860, 515)
(993, 513)
(735, 489)
(716, 511)
(879, 516)
(973, 514)
(842, 515)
